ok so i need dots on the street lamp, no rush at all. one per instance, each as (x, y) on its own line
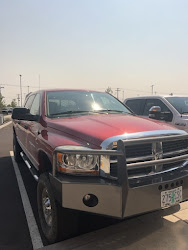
(1, 88)
(21, 89)
(152, 88)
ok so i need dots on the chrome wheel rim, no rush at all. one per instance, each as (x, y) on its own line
(47, 208)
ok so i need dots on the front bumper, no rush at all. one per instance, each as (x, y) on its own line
(116, 200)
(123, 196)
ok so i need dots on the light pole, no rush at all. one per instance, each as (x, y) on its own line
(118, 89)
(152, 88)
(21, 89)
(1, 88)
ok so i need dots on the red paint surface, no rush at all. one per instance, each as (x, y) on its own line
(98, 127)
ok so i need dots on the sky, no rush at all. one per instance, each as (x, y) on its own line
(93, 44)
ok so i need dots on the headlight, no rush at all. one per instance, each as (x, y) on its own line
(78, 163)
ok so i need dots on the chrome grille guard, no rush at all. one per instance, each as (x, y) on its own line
(123, 164)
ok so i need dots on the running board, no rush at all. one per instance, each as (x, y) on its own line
(30, 167)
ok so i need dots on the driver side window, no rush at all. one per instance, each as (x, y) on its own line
(35, 107)
(154, 102)
(29, 102)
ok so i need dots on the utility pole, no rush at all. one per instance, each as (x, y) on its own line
(1, 88)
(21, 89)
(18, 98)
(123, 95)
(118, 89)
(28, 89)
(152, 88)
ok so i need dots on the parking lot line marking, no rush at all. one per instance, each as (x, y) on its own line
(32, 225)
(4, 125)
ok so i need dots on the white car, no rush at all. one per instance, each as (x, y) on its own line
(175, 108)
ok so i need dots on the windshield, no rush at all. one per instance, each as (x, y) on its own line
(75, 102)
(179, 103)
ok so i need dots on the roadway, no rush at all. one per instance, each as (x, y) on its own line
(167, 229)
(15, 233)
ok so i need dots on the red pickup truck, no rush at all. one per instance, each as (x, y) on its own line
(90, 153)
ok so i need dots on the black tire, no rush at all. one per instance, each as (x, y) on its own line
(17, 149)
(63, 221)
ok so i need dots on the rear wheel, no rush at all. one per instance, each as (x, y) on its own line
(17, 149)
(56, 222)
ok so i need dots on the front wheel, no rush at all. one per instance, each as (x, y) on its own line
(55, 221)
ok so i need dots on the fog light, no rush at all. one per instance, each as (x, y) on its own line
(90, 200)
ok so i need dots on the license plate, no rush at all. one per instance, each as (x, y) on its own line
(171, 197)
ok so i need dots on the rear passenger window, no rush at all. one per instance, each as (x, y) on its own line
(136, 105)
(154, 102)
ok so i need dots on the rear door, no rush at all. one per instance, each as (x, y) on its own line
(136, 105)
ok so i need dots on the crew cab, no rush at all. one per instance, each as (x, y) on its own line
(90, 153)
(172, 109)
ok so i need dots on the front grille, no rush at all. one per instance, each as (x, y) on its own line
(172, 165)
(170, 146)
(146, 152)
(138, 150)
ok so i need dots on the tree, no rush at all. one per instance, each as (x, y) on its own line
(2, 102)
(109, 90)
(13, 103)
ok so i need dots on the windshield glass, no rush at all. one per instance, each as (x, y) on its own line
(74, 102)
(179, 103)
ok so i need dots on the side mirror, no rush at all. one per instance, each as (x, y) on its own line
(23, 114)
(155, 113)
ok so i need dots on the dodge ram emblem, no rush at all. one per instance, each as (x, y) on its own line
(158, 156)
(157, 151)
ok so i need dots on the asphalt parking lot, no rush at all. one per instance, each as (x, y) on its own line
(14, 232)
(14, 229)
(20, 229)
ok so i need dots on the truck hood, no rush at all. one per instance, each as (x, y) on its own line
(96, 128)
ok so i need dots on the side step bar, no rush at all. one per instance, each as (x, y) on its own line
(31, 168)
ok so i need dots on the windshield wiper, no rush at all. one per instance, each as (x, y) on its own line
(110, 110)
(70, 112)
(185, 112)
